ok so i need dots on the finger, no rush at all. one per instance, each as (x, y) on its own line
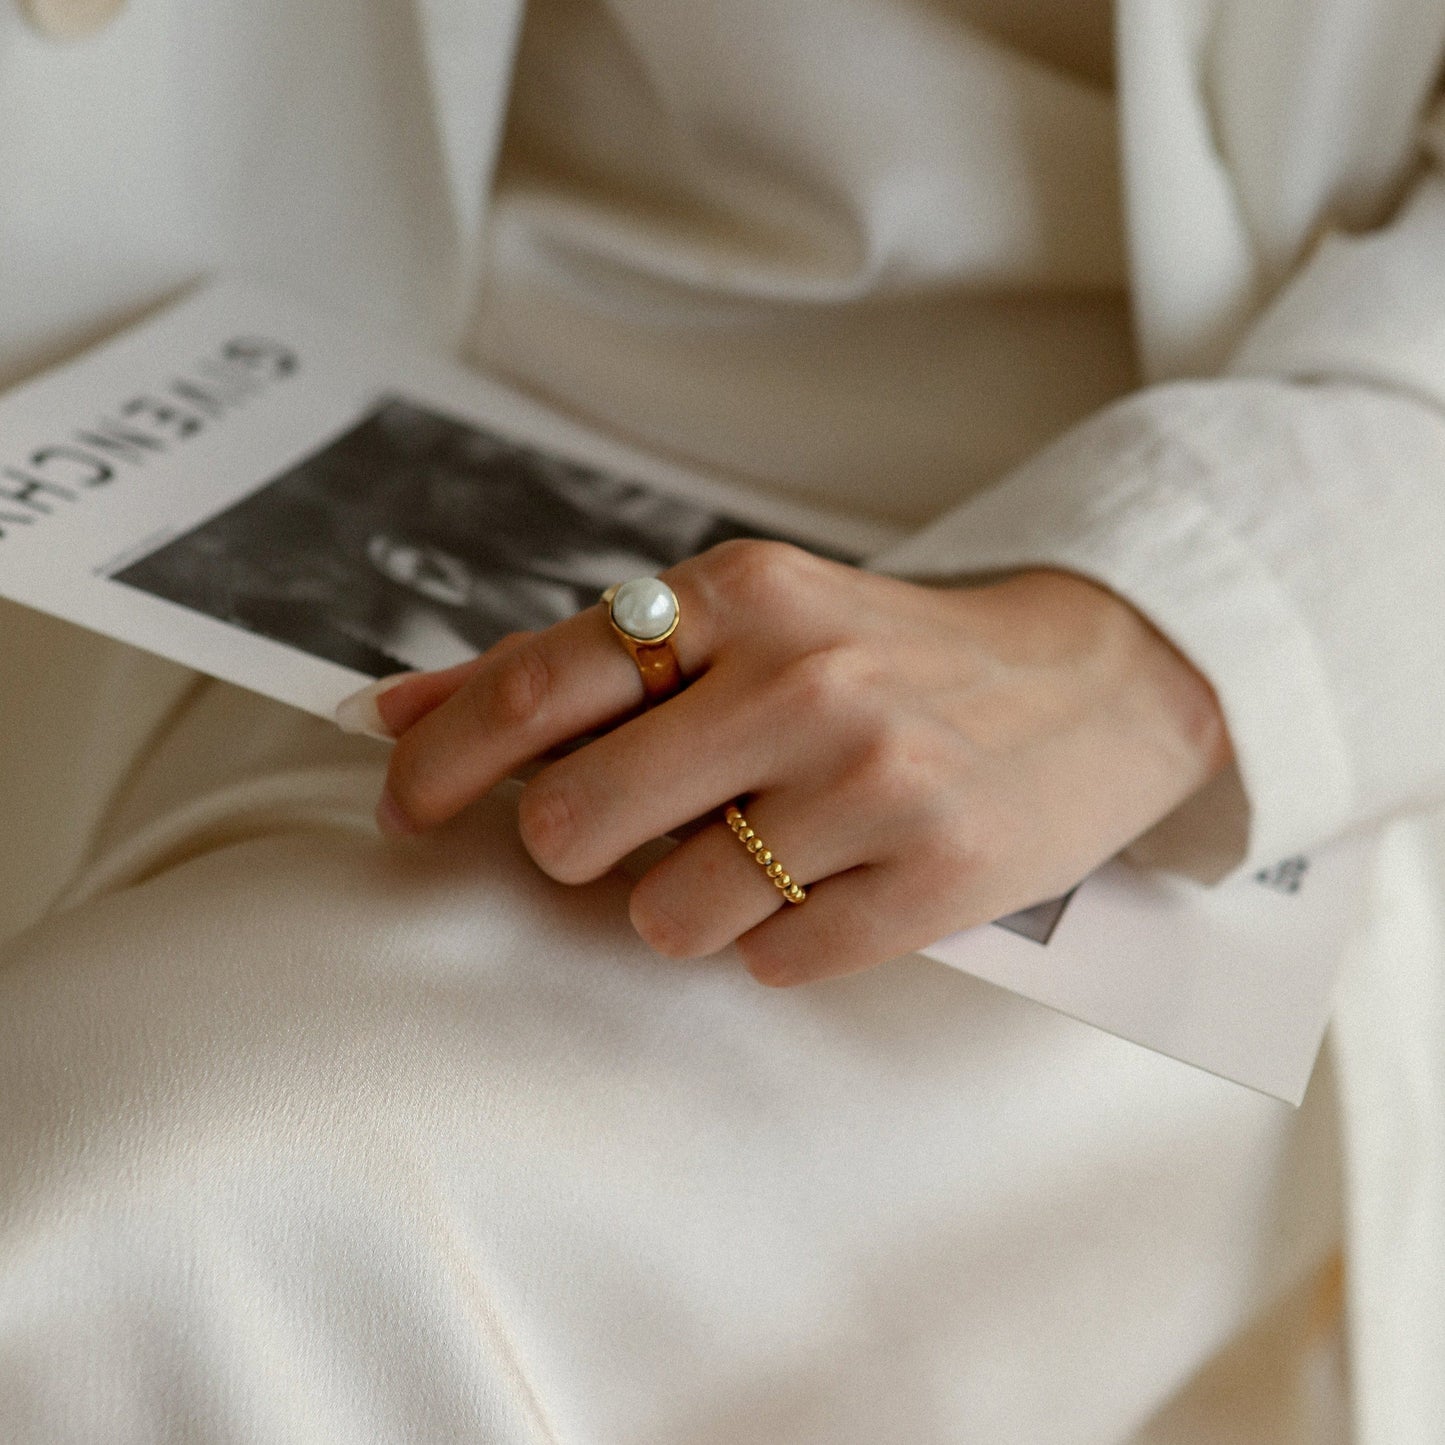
(409, 700)
(711, 889)
(850, 921)
(541, 690)
(387, 707)
(711, 584)
(655, 773)
(512, 706)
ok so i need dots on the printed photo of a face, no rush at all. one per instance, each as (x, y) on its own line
(416, 541)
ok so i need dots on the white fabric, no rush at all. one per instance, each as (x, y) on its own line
(480, 1167)
(879, 280)
(306, 1138)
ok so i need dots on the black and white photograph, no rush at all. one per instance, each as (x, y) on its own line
(416, 540)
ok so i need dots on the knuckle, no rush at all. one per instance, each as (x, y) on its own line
(823, 680)
(519, 687)
(752, 570)
(896, 765)
(548, 818)
(957, 862)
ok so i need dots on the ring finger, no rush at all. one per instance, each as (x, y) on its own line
(711, 889)
(514, 704)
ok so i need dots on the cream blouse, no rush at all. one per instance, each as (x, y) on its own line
(877, 259)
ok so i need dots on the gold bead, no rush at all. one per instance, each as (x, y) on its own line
(763, 855)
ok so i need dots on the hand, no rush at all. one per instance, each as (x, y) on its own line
(924, 759)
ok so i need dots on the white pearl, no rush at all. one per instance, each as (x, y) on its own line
(644, 608)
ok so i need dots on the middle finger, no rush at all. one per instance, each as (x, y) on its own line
(541, 691)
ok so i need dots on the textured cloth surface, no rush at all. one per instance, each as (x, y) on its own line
(307, 1138)
(470, 1162)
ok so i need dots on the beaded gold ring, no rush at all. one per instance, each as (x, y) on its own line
(763, 857)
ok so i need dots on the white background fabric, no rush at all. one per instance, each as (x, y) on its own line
(318, 1139)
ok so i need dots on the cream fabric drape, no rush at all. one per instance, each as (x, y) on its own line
(307, 1138)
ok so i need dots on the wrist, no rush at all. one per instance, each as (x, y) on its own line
(1067, 619)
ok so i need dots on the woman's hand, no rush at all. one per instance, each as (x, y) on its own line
(922, 759)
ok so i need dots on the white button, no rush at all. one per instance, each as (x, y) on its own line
(69, 19)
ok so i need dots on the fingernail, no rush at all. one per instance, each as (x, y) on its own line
(359, 712)
(390, 818)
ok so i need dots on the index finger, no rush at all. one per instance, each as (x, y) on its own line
(542, 690)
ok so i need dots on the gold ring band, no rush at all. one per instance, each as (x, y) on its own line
(763, 857)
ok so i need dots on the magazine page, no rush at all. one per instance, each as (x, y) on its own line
(1240, 976)
(297, 505)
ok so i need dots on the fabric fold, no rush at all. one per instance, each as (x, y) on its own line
(1284, 537)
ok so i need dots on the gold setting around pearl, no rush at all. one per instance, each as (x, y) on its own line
(656, 659)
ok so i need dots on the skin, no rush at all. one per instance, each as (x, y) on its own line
(924, 759)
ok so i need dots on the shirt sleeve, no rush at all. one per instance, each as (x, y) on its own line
(1284, 526)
